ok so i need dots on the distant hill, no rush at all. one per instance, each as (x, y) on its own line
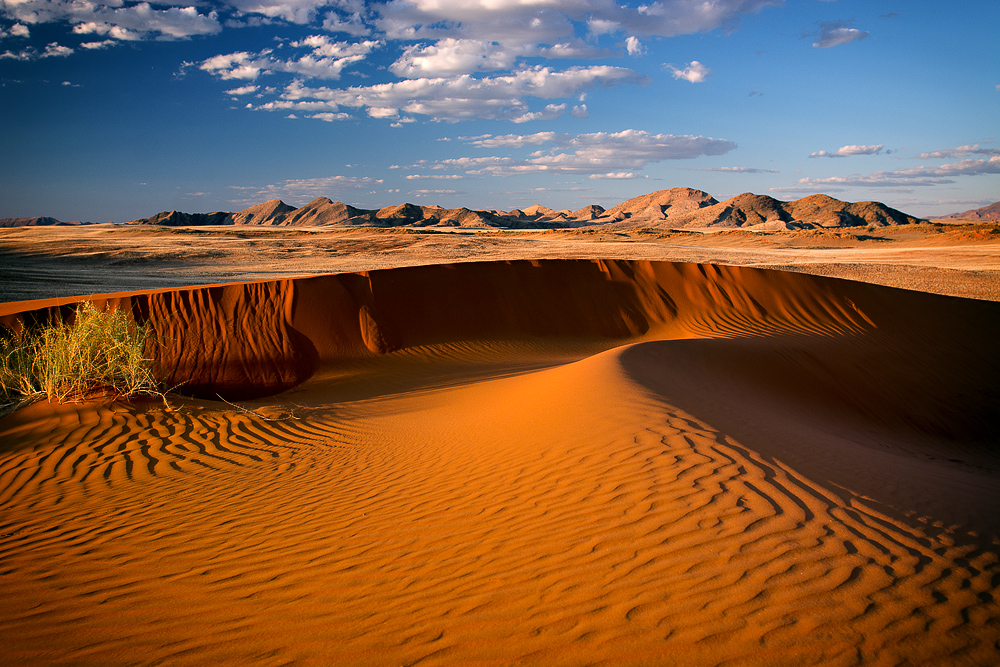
(991, 212)
(685, 208)
(662, 204)
(676, 208)
(34, 222)
(178, 219)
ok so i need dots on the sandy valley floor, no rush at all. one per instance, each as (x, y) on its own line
(67, 261)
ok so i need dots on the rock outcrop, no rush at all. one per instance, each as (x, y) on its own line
(991, 212)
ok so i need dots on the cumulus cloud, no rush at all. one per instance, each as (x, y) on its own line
(463, 97)
(695, 72)
(56, 50)
(633, 46)
(16, 30)
(293, 11)
(116, 20)
(242, 90)
(452, 40)
(330, 117)
(598, 154)
(835, 33)
(846, 151)
(453, 56)
(326, 61)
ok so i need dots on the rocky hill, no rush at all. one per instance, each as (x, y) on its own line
(991, 212)
(676, 208)
(38, 221)
(178, 219)
(661, 205)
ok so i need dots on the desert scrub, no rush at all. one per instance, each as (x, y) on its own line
(97, 352)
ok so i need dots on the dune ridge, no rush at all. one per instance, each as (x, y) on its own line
(254, 339)
(553, 462)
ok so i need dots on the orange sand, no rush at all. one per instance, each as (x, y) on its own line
(552, 463)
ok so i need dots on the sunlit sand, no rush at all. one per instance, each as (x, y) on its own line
(529, 462)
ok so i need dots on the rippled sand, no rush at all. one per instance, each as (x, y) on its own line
(552, 463)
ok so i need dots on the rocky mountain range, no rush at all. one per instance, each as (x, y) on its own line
(991, 212)
(676, 208)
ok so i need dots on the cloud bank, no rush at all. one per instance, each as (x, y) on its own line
(597, 155)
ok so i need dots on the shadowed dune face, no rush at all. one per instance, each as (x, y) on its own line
(247, 340)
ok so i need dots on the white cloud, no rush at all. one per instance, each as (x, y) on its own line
(695, 72)
(739, 170)
(615, 175)
(293, 11)
(960, 152)
(431, 193)
(835, 33)
(27, 54)
(243, 90)
(239, 65)
(16, 30)
(115, 19)
(352, 24)
(550, 112)
(56, 50)
(326, 61)
(435, 177)
(103, 44)
(451, 40)
(301, 191)
(453, 56)
(465, 97)
(518, 140)
(914, 176)
(331, 117)
(598, 154)
(846, 151)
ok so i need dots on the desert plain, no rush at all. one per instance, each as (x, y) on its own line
(485, 447)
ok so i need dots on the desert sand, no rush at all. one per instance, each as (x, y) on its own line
(535, 461)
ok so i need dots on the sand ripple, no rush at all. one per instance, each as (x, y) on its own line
(469, 503)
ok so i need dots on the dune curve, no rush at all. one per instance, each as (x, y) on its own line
(558, 463)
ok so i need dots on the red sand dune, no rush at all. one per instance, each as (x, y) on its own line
(553, 463)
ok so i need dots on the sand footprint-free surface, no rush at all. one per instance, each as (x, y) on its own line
(551, 463)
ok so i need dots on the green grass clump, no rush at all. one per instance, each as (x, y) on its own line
(98, 352)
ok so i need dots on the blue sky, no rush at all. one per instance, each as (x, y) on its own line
(117, 110)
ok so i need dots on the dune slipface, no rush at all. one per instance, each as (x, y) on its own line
(553, 463)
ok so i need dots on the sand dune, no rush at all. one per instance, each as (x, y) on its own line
(552, 463)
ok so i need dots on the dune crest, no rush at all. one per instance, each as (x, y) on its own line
(247, 340)
(549, 462)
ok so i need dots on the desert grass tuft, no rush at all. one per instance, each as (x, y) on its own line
(97, 352)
